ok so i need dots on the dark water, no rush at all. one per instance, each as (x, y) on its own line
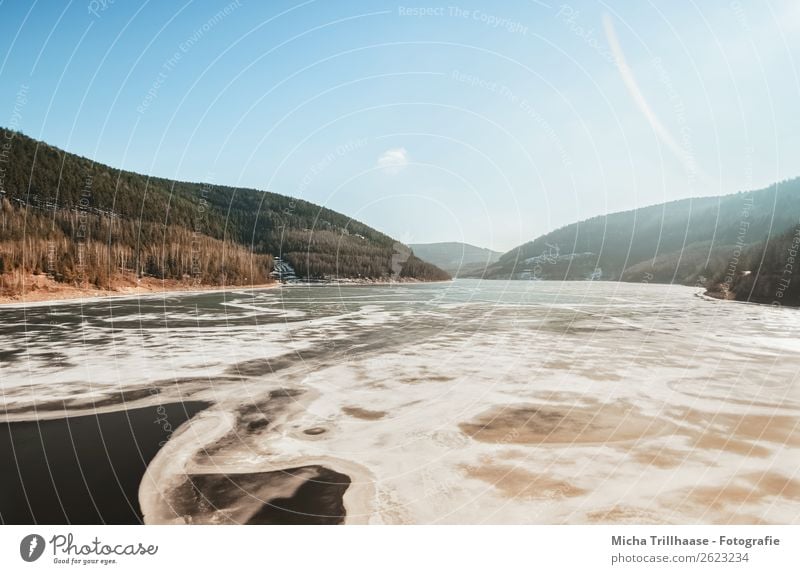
(244, 498)
(83, 469)
(317, 501)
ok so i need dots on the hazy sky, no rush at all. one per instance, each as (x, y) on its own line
(484, 122)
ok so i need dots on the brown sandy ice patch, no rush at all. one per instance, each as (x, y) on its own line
(661, 457)
(779, 429)
(777, 485)
(515, 482)
(416, 380)
(622, 514)
(713, 441)
(533, 424)
(743, 434)
(363, 414)
(743, 490)
(719, 498)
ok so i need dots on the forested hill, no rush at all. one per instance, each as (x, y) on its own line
(79, 221)
(456, 258)
(688, 241)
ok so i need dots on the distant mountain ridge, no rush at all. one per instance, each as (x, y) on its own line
(685, 241)
(78, 221)
(456, 258)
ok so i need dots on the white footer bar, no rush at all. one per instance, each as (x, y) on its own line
(355, 549)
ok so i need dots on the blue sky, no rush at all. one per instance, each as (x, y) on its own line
(489, 123)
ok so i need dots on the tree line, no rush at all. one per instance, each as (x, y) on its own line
(79, 221)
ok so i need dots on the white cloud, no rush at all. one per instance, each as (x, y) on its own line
(393, 160)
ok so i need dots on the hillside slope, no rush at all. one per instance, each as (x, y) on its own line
(686, 241)
(454, 257)
(81, 222)
(767, 272)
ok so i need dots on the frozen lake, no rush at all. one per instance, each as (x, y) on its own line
(463, 402)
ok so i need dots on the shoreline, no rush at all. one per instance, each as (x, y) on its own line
(719, 295)
(775, 304)
(73, 295)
